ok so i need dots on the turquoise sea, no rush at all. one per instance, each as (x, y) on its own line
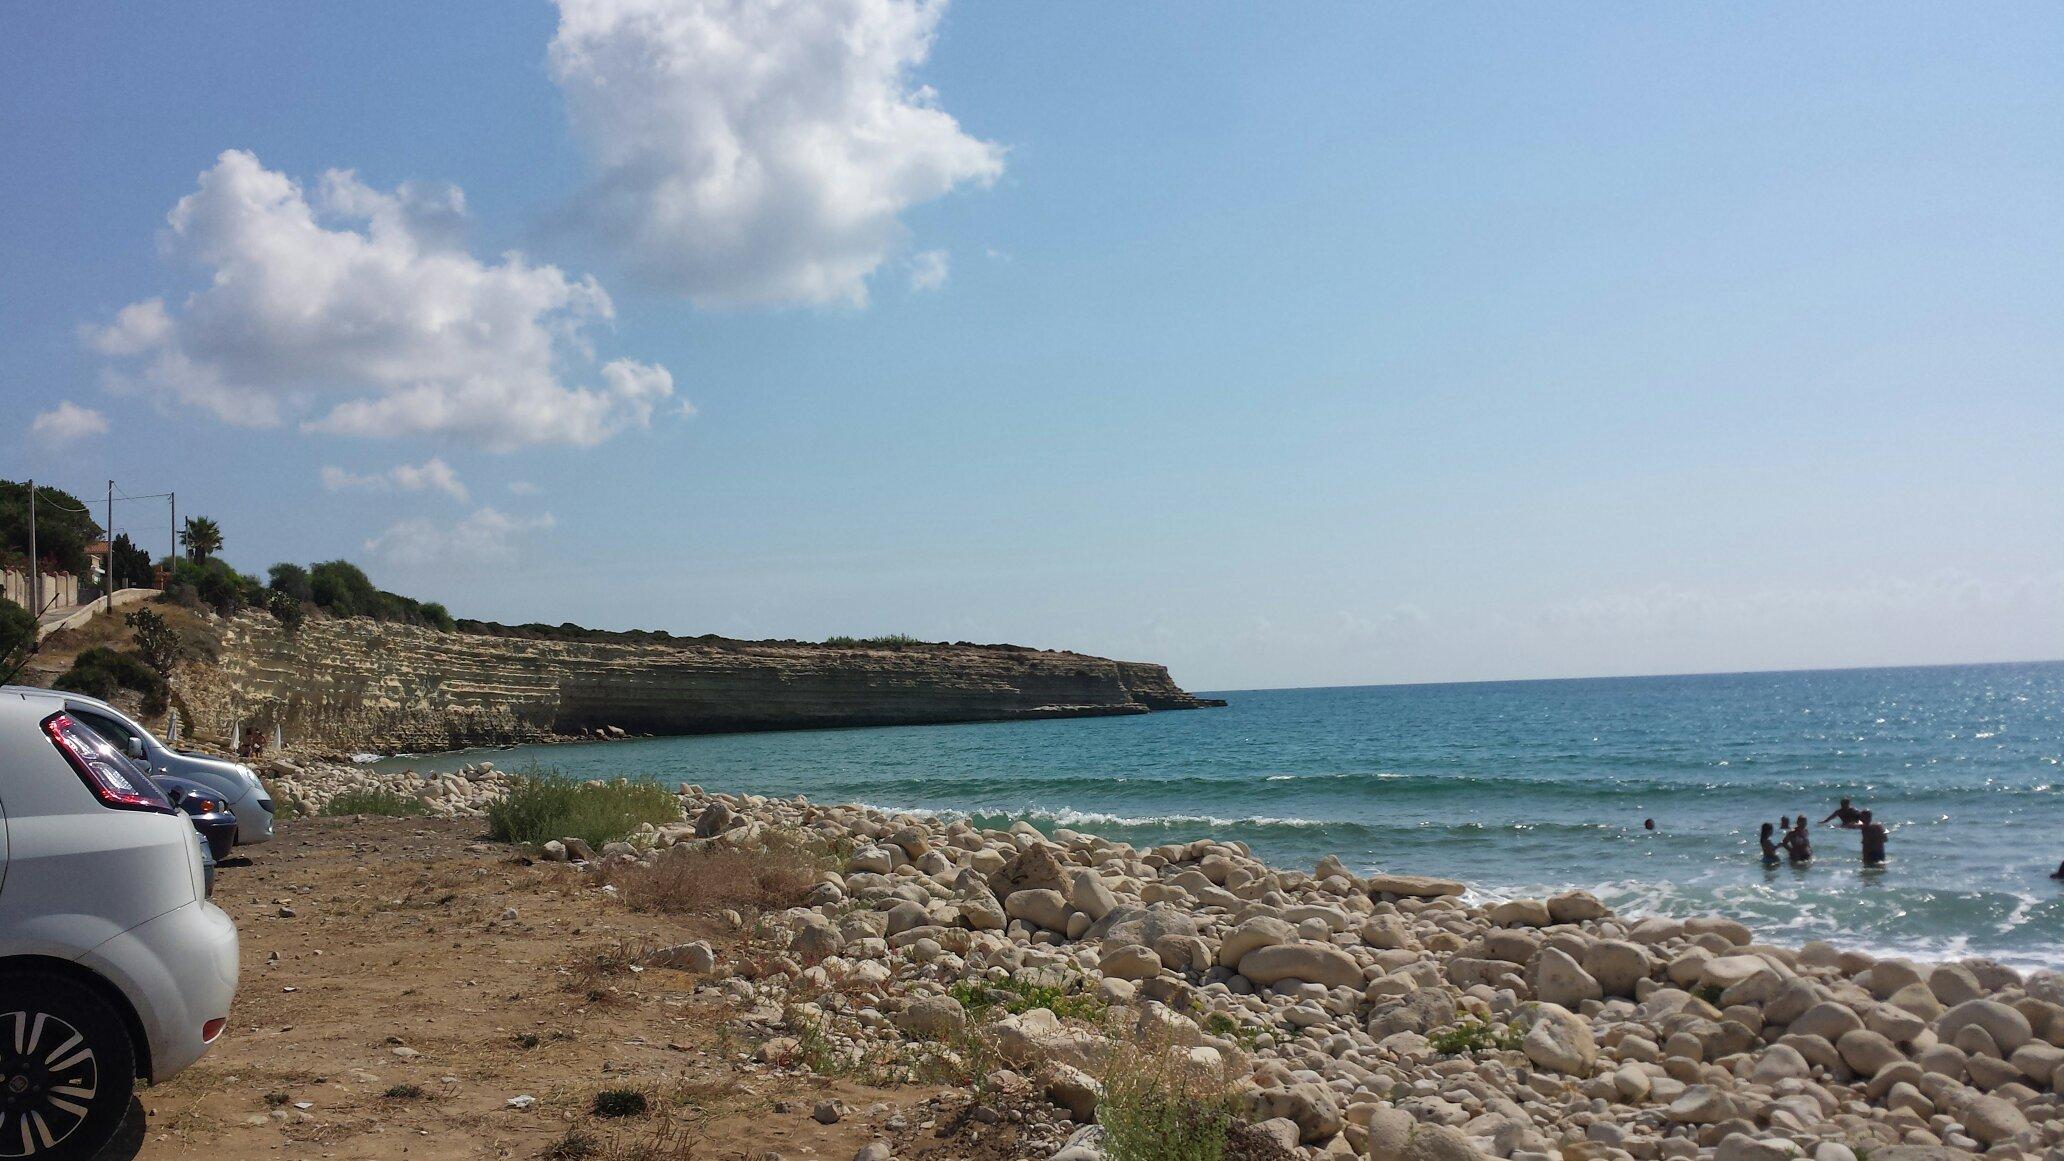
(1520, 787)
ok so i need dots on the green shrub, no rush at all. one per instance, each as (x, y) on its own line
(156, 643)
(101, 672)
(1159, 1105)
(546, 805)
(382, 802)
(1015, 996)
(1473, 1035)
(17, 634)
(885, 641)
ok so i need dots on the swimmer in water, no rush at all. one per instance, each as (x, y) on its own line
(1850, 816)
(1769, 845)
(1873, 841)
(1648, 824)
(1798, 847)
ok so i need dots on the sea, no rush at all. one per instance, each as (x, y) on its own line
(1517, 788)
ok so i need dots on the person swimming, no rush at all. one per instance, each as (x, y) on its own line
(1873, 840)
(1798, 847)
(1648, 824)
(2058, 873)
(1850, 816)
(1769, 845)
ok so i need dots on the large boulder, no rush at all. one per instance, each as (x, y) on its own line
(1395, 1136)
(1519, 913)
(1576, 907)
(932, 1017)
(1038, 905)
(1559, 980)
(2008, 1027)
(1558, 1039)
(1087, 894)
(1036, 868)
(1306, 960)
(1992, 1119)
(1617, 965)
(1252, 934)
(1126, 923)
(1029, 1039)
(1129, 961)
(1414, 886)
(1309, 1106)
(1866, 1052)
(1423, 1010)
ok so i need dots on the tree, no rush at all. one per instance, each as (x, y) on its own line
(132, 564)
(63, 526)
(156, 643)
(202, 538)
(17, 635)
(292, 580)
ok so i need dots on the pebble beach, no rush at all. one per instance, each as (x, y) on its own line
(1386, 1016)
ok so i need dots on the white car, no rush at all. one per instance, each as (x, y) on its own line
(234, 781)
(113, 964)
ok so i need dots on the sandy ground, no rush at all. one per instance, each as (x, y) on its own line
(404, 979)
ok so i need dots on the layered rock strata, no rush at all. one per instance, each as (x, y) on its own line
(355, 683)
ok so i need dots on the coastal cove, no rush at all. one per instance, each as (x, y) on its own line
(1517, 788)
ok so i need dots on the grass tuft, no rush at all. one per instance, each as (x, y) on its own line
(620, 1102)
(1159, 1105)
(546, 805)
(769, 874)
(381, 802)
(1015, 996)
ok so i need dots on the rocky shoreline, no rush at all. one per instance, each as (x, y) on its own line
(1380, 1016)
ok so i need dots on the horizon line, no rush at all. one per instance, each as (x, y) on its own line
(1638, 676)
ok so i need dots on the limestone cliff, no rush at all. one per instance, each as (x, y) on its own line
(360, 684)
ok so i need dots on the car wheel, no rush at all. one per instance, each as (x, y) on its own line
(67, 1068)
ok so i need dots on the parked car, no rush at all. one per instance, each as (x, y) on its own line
(113, 964)
(205, 810)
(240, 789)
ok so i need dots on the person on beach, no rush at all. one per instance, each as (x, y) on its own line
(1850, 816)
(1798, 847)
(1769, 845)
(1873, 841)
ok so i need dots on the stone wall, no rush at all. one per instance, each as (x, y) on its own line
(357, 684)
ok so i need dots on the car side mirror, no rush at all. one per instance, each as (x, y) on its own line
(175, 795)
(135, 747)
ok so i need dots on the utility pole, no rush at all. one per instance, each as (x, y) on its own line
(109, 540)
(172, 554)
(35, 564)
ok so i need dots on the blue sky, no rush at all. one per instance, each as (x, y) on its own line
(1369, 344)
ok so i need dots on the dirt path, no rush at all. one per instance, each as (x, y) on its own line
(403, 980)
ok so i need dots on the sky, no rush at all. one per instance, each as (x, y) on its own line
(1344, 345)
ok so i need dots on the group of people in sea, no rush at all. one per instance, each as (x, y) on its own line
(1787, 840)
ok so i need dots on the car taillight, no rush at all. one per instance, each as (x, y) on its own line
(107, 774)
(212, 1029)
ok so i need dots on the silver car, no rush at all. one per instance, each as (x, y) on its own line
(234, 781)
(113, 964)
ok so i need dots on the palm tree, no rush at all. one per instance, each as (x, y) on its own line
(201, 537)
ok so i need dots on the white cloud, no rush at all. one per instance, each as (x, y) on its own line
(66, 422)
(431, 475)
(759, 151)
(929, 270)
(485, 537)
(358, 313)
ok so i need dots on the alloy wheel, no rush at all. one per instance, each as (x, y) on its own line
(48, 1077)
